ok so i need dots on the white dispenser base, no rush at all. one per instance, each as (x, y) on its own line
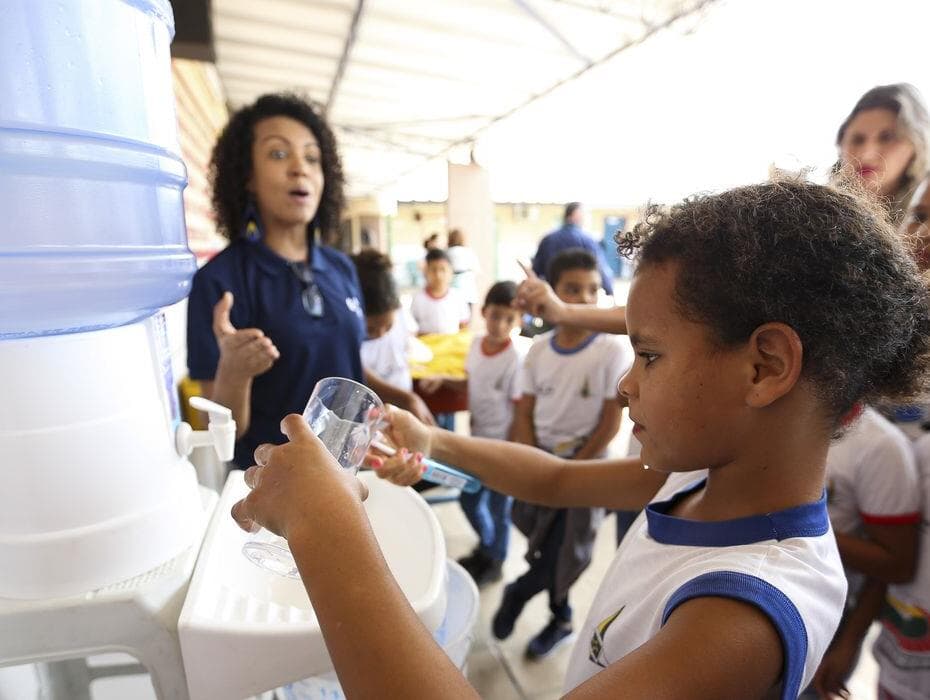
(94, 491)
(138, 616)
(244, 630)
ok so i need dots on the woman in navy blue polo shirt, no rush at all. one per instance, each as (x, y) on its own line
(276, 310)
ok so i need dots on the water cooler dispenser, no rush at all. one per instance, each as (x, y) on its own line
(106, 540)
(92, 245)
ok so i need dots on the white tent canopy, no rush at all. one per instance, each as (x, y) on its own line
(608, 102)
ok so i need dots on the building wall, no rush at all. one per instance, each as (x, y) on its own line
(201, 110)
(202, 113)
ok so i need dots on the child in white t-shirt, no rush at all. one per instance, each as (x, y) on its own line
(903, 647)
(569, 407)
(389, 334)
(492, 366)
(387, 352)
(873, 498)
(438, 307)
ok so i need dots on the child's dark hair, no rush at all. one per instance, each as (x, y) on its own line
(231, 164)
(434, 254)
(501, 294)
(569, 259)
(377, 281)
(820, 260)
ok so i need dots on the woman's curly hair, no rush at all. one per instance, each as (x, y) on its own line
(824, 261)
(231, 164)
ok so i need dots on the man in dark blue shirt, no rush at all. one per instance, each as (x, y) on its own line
(571, 235)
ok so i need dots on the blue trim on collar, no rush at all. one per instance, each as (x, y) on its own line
(571, 351)
(808, 520)
(782, 613)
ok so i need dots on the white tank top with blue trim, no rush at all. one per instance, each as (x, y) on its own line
(785, 563)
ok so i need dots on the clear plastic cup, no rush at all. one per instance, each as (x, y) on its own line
(344, 415)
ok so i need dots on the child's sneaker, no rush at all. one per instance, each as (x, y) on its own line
(491, 571)
(508, 612)
(553, 635)
(468, 561)
(482, 568)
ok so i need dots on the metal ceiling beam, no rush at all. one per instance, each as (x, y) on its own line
(537, 17)
(344, 59)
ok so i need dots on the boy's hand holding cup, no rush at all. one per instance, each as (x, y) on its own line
(293, 482)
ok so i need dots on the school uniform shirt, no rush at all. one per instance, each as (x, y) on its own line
(443, 314)
(267, 295)
(493, 386)
(571, 385)
(871, 480)
(388, 356)
(784, 563)
(903, 646)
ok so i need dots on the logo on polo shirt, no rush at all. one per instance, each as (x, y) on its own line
(596, 649)
(355, 306)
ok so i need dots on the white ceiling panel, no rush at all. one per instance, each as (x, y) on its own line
(406, 81)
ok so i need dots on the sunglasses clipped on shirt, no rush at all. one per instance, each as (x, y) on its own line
(310, 295)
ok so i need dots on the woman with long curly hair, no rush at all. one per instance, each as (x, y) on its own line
(277, 310)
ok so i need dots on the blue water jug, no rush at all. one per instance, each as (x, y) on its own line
(92, 228)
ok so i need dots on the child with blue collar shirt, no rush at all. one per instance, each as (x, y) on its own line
(569, 408)
(759, 317)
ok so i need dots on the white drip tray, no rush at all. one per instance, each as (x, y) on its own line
(244, 630)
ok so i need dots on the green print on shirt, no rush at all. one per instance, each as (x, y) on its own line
(585, 389)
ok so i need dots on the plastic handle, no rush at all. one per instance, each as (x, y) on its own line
(220, 433)
(217, 412)
(437, 472)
